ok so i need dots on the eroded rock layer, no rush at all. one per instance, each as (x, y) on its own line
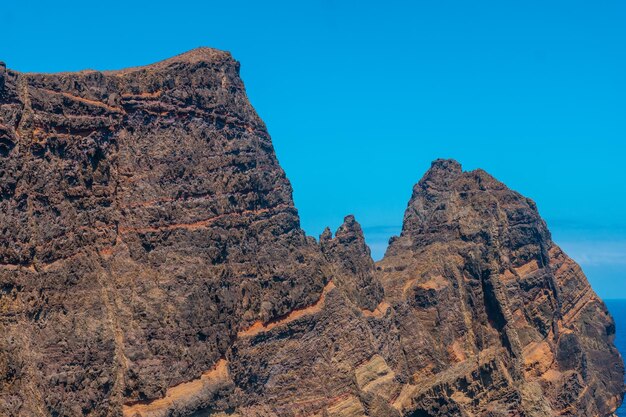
(152, 264)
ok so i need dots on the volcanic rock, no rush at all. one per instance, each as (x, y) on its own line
(152, 263)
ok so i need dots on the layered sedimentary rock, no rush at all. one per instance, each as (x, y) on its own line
(152, 264)
(484, 297)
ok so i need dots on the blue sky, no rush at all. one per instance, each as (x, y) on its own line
(360, 96)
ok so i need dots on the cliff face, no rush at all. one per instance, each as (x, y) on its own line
(152, 264)
(477, 281)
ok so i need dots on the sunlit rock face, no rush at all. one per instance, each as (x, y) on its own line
(152, 264)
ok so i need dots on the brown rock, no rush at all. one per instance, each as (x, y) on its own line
(353, 268)
(475, 278)
(152, 264)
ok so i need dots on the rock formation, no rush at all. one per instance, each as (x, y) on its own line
(152, 264)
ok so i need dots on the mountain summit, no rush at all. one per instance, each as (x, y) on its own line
(152, 264)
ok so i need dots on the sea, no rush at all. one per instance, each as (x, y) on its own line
(618, 311)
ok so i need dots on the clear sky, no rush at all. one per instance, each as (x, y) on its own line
(360, 96)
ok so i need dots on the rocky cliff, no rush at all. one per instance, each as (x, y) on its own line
(152, 264)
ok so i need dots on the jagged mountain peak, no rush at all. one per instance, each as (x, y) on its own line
(152, 264)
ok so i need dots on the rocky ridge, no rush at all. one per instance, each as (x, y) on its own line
(152, 264)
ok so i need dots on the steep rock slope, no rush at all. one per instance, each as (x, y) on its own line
(145, 220)
(152, 264)
(475, 278)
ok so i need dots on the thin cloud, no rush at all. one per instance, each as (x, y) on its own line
(586, 252)
(596, 253)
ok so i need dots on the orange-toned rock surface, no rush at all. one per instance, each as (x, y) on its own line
(152, 264)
